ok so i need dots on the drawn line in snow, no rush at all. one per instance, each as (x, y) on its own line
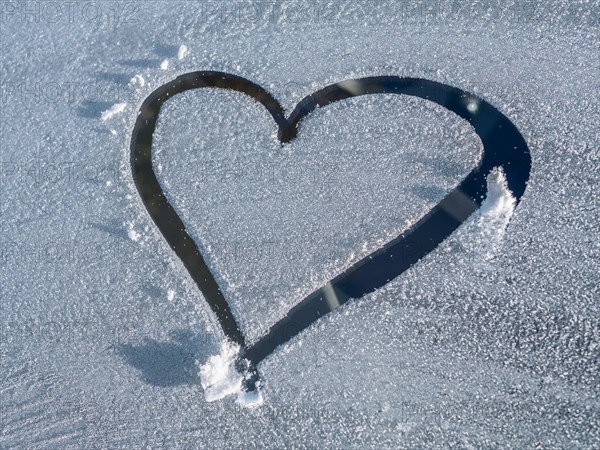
(503, 148)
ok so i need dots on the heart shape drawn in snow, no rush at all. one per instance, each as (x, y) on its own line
(503, 147)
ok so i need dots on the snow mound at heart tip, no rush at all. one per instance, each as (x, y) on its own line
(219, 378)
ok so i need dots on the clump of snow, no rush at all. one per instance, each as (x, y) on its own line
(137, 80)
(170, 295)
(165, 64)
(182, 53)
(497, 208)
(133, 235)
(219, 378)
(490, 222)
(218, 375)
(115, 109)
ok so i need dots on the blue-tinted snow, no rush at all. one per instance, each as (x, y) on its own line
(103, 331)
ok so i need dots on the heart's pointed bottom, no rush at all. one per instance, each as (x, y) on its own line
(287, 134)
(251, 381)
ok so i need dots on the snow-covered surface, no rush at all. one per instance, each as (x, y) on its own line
(490, 341)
